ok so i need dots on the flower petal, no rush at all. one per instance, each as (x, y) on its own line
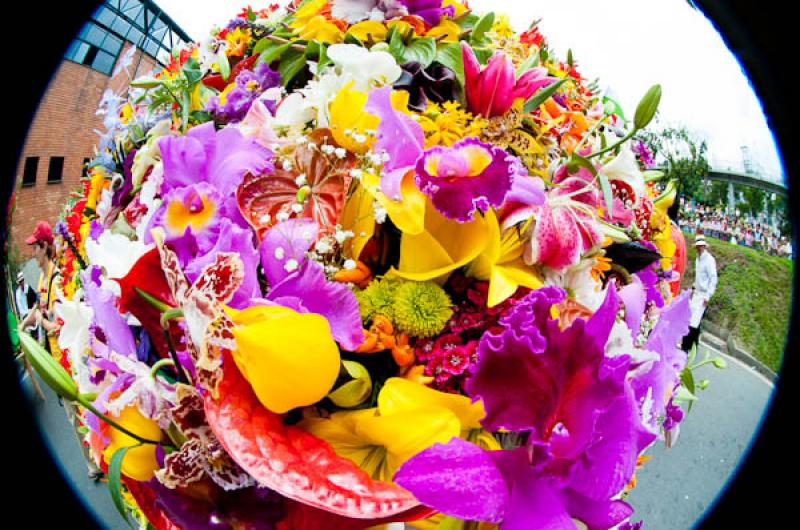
(457, 478)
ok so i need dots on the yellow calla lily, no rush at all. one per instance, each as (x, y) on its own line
(409, 418)
(368, 28)
(304, 15)
(458, 7)
(358, 216)
(401, 395)
(289, 358)
(139, 463)
(321, 29)
(349, 121)
(448, 28)
(408, 214)
(501, 264)
(442, 247)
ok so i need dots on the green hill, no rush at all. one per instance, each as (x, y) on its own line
(753, 298)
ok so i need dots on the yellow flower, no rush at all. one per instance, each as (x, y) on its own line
(443, 246)
(139, 463)
(502, 26)
(349, 121)
(502, 265)
(237, 42)
(303, 15)
(98, 184)
(368, 28)
(289, 358)
(409, 418)
(448, 123)
(458, 7)
(321, 29)
(448, 28)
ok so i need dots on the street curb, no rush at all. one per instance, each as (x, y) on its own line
(723, 336)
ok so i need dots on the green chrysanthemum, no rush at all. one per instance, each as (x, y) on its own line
(377, 299)
(421, 309)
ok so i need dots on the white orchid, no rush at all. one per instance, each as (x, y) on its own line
(74, 337)
(115, 253)
(152, 395)
(578, 280)
(367, 69)
(353, 11)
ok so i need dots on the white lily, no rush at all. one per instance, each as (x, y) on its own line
(353, 11)
(624, 167)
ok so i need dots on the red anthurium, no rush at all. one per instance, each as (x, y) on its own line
(324, 176)
(295, 463)
(147, 275)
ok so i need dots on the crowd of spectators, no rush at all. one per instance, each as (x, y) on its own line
(735, 228)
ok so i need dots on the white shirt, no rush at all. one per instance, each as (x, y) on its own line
(22, 300)
(705, 278)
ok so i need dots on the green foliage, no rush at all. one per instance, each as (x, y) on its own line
(753, 297)
(683, 156)
(754, 200)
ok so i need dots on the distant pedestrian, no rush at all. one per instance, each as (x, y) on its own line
(705, 283)
(25, 297)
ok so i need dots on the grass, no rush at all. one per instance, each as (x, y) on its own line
(753, 299)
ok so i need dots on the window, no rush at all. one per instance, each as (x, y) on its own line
(29, 173)
(55, 170)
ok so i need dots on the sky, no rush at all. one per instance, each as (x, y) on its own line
(629, 45)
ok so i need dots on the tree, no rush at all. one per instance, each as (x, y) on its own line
(681, 155)
(753, 200)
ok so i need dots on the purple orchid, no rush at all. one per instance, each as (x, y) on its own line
(204, 155)
(469, 176)
(235, 101)
(195, 252)
(300, 284)
(399, 136)
(582, 415)
(112, 326)
(431, 11)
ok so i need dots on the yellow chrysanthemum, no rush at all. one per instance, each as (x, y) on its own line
(448, 123)
(502, 26)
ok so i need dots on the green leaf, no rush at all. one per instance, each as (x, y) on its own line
(224, 66)
(647, 107)
(483, 25)
(262, 45)
(273, 52)
(720, 363)
(185, 104)
(200, 116)
(397, 46)
(687, 379)
(421, 50)
(191, 71)
(251, 16)
(605, 187)
(543, 94)
(653, 175)
(51, 372)
(450, 56)
(683, 394)
(115, 481)
(292, 62)
(147, 82)
(468, 21)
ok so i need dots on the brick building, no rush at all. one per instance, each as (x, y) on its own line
(61, 137)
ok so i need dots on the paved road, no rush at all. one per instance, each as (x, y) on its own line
(674, 489)
(677, 487)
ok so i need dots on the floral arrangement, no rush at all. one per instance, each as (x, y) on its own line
(352, 262)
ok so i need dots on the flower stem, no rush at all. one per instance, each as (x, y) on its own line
(86, 404)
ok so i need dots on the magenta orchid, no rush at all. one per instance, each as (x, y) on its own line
(468, 176)
(492, 91)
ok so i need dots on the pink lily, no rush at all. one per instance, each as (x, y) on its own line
(492, 91)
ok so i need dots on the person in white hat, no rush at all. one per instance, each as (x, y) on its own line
(705, 283)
